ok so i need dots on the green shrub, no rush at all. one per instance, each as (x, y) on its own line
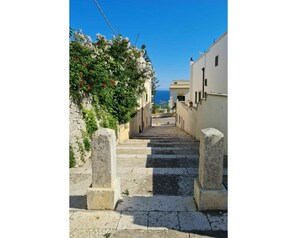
(90, 120)
(71, 157)
(87, 144)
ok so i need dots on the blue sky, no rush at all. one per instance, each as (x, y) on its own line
(172, 30)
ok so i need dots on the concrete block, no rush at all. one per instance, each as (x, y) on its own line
(210, 199)
(104, 198)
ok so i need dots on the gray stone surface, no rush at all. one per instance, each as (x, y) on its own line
(133, 220)
(191, 221)
(91, 233)
(97, 219)
(103, 158)
(211, 158)
(157, 203)
(218, 221)
(150, 234)
(163, 220)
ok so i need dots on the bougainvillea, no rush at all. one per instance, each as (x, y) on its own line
(111, 71)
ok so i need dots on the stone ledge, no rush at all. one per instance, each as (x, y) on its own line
(210, 199)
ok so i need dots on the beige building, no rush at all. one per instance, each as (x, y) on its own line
(142, 118)
(179, 90)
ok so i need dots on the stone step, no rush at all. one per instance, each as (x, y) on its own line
(163, 182)
(160, 233)
(164, 138)
(157, 157)
(158, 184)
(157, 203)
(134, 171)
(156, 150)
(160, 143)
(165, 141)
(150, 161)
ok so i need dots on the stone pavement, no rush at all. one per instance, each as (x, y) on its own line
(157, 170)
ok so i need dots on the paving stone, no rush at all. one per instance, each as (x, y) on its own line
(172, 203)
(98, 219)
(91, 233)
(137, 163)
(137, 185)
(135, 203)
(157, 203)
(163, 220)
(133, 220)
(169, 171)
(193, 171)
(218, 221)
(191, 221)
(149, 234)
(191, 235)
(124, 170)
(138, 171)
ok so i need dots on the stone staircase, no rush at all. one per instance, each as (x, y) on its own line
(157, 170)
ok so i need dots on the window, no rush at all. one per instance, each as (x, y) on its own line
(205, 82)
(181, 98)
(196, 97)
(146, 97)
(217, 61)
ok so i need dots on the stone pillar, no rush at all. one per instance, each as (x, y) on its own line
(209, 192)
(105, 189)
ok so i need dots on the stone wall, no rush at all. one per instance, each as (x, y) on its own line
(76, 127)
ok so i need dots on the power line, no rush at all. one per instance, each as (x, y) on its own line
(105, 18)
(136, 39)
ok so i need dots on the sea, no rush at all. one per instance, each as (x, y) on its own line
(162, 95)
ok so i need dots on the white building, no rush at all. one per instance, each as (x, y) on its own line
(208, 93)
(209, 73)
(179, 89)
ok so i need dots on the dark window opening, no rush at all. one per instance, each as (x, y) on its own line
(217, 60)
(181, 98)
(146, 97)
(205, 82)
(196, 95)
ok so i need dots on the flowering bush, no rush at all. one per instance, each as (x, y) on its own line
(111, 72)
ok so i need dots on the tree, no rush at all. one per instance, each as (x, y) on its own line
(154, 79)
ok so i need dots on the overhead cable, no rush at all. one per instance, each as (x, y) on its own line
(105, 18)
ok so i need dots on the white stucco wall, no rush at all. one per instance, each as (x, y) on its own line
(177, 92)
(211, 112)
(217, 78)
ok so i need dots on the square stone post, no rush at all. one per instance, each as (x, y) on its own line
(209, 192)
(105, 189)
